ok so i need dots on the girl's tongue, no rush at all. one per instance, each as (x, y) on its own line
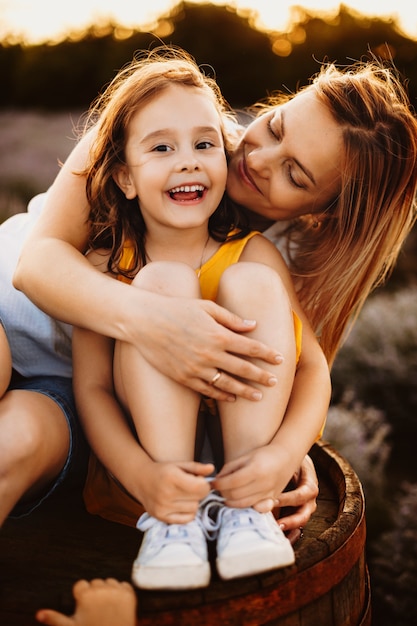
(183, 196)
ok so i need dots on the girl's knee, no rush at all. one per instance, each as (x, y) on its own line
(169, 278)
(254, 280)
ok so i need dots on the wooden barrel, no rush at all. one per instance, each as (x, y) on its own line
(42, 555)
(327, 586)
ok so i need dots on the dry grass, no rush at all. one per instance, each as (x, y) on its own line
(32, 145)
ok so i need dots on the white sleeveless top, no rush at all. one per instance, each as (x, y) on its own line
(39, 344)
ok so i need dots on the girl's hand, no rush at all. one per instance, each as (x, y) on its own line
(172, 492)
(254, 479)
(193, 340)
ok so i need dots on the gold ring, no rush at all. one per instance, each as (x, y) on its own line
(301, 532)
(215, 378)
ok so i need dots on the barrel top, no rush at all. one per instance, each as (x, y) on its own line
(42, 555)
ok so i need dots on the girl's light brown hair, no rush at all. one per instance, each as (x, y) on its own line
(348, 248)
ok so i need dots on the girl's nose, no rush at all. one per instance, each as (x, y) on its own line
(188, 161)
(190, 167)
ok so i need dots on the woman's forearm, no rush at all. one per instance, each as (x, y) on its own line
(305, 415)
(75, 292)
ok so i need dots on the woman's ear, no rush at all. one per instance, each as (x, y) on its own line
(123, 180)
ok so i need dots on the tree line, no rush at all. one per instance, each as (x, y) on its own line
(247, 63)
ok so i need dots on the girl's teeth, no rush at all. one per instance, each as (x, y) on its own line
(187, 188)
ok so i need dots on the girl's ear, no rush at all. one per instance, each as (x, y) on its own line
(123, 180)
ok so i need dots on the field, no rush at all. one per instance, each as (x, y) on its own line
(32, 145)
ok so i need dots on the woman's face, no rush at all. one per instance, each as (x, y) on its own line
(288, 162)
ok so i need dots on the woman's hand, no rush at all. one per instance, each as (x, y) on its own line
(302, 498)
(172, 492)
(192, 341)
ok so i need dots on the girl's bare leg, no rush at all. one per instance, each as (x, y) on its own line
(250, 542)
(255, 291)
(5, 362)
(164, 412)
(34, 443)
(97, 603)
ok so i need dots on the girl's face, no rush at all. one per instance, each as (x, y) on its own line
(288, 162)
(175, 159)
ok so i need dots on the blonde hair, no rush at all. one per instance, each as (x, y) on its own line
(113, 219)
(350, 248)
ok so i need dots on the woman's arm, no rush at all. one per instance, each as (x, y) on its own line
(186, 340)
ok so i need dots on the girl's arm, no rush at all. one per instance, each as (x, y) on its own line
(259, 478)
(185, 340)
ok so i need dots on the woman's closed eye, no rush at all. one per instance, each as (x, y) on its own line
(290, 176)
(273, 131)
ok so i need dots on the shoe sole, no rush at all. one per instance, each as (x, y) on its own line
(238, 565)
(171, 578)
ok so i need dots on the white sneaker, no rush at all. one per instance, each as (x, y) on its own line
(250, 542)
(175, 556)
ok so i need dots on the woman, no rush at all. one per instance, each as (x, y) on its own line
(339, 161)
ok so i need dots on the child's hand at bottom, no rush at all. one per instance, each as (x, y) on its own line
(97, 603)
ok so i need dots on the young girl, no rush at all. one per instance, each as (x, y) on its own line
(155, 183)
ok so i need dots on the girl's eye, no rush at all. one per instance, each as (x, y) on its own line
(162, 148)
(204, 145)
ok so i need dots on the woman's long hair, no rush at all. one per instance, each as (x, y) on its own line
(344, 252)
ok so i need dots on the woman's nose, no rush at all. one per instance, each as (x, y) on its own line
(260, 160)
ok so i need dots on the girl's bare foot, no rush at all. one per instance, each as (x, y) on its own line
(97, 603)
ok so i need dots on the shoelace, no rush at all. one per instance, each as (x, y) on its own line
(210, 514)
(233, 520)
(208, 518)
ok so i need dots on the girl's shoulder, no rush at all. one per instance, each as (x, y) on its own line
(259, 249)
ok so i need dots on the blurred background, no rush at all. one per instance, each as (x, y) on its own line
(55, 59)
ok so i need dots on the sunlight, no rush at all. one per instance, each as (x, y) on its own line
(44, 20)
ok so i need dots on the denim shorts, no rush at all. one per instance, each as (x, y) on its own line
(73, 473)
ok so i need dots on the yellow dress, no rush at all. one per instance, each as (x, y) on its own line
(103, 494)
